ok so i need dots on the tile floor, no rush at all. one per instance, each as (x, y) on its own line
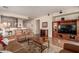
(59, 45)
(52, 48)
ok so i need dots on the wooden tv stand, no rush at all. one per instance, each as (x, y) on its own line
(64, 36)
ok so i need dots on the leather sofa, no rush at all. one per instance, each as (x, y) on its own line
(70, 47)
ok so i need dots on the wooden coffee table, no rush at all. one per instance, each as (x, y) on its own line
(39, 43)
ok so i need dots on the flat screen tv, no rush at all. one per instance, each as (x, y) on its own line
(68, 29)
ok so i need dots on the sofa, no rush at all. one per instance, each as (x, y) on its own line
(70, 47)
(23, 35)
(1, 47)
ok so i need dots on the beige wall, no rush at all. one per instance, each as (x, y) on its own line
(44, 19)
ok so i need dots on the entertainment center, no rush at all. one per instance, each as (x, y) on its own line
(65, 30)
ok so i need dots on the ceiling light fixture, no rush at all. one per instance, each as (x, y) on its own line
(60, 12)
(48, 14)
(4, 6)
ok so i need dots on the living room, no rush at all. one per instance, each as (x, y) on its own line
(39, 29)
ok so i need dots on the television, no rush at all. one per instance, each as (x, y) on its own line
(68, 29)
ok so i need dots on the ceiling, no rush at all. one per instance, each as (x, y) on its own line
(35, 11)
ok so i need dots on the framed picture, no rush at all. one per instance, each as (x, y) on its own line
(45, 24)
